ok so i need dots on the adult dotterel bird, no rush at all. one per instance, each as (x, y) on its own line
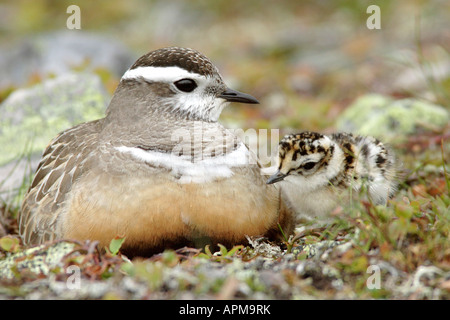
(319, 172)
(158, 169)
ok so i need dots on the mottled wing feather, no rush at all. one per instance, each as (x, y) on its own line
(61, 165)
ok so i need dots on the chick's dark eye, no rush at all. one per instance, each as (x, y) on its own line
(186, 85)
(309, 165)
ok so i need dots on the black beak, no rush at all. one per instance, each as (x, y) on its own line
(236, 96)
(278, 176)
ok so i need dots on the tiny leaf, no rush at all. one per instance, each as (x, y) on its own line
(115, 244)
(223, 250)
(208, 251)
(9, 244)
(234, 250)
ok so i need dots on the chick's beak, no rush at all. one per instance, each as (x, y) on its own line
(278, 176)
(236, 96)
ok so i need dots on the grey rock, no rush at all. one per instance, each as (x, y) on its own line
(38, 260)
(56, 53)
(391, 120)
(32, 117)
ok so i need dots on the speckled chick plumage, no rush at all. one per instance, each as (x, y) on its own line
(320, 172)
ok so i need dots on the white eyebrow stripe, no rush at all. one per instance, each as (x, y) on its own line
(160, 74)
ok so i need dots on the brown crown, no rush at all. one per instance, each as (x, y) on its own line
(188, 59)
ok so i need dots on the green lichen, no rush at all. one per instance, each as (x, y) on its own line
(38, 260)
(32, 117)
(390, 119)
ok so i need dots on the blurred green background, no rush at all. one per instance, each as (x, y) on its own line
(304, 60)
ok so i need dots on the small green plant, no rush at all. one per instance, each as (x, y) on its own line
(116, 244)
(9, 244)
(223, 255)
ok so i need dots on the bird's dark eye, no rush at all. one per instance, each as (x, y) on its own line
(309, 165)
(186, 85)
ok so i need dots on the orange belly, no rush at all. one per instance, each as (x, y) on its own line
(151, 215)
